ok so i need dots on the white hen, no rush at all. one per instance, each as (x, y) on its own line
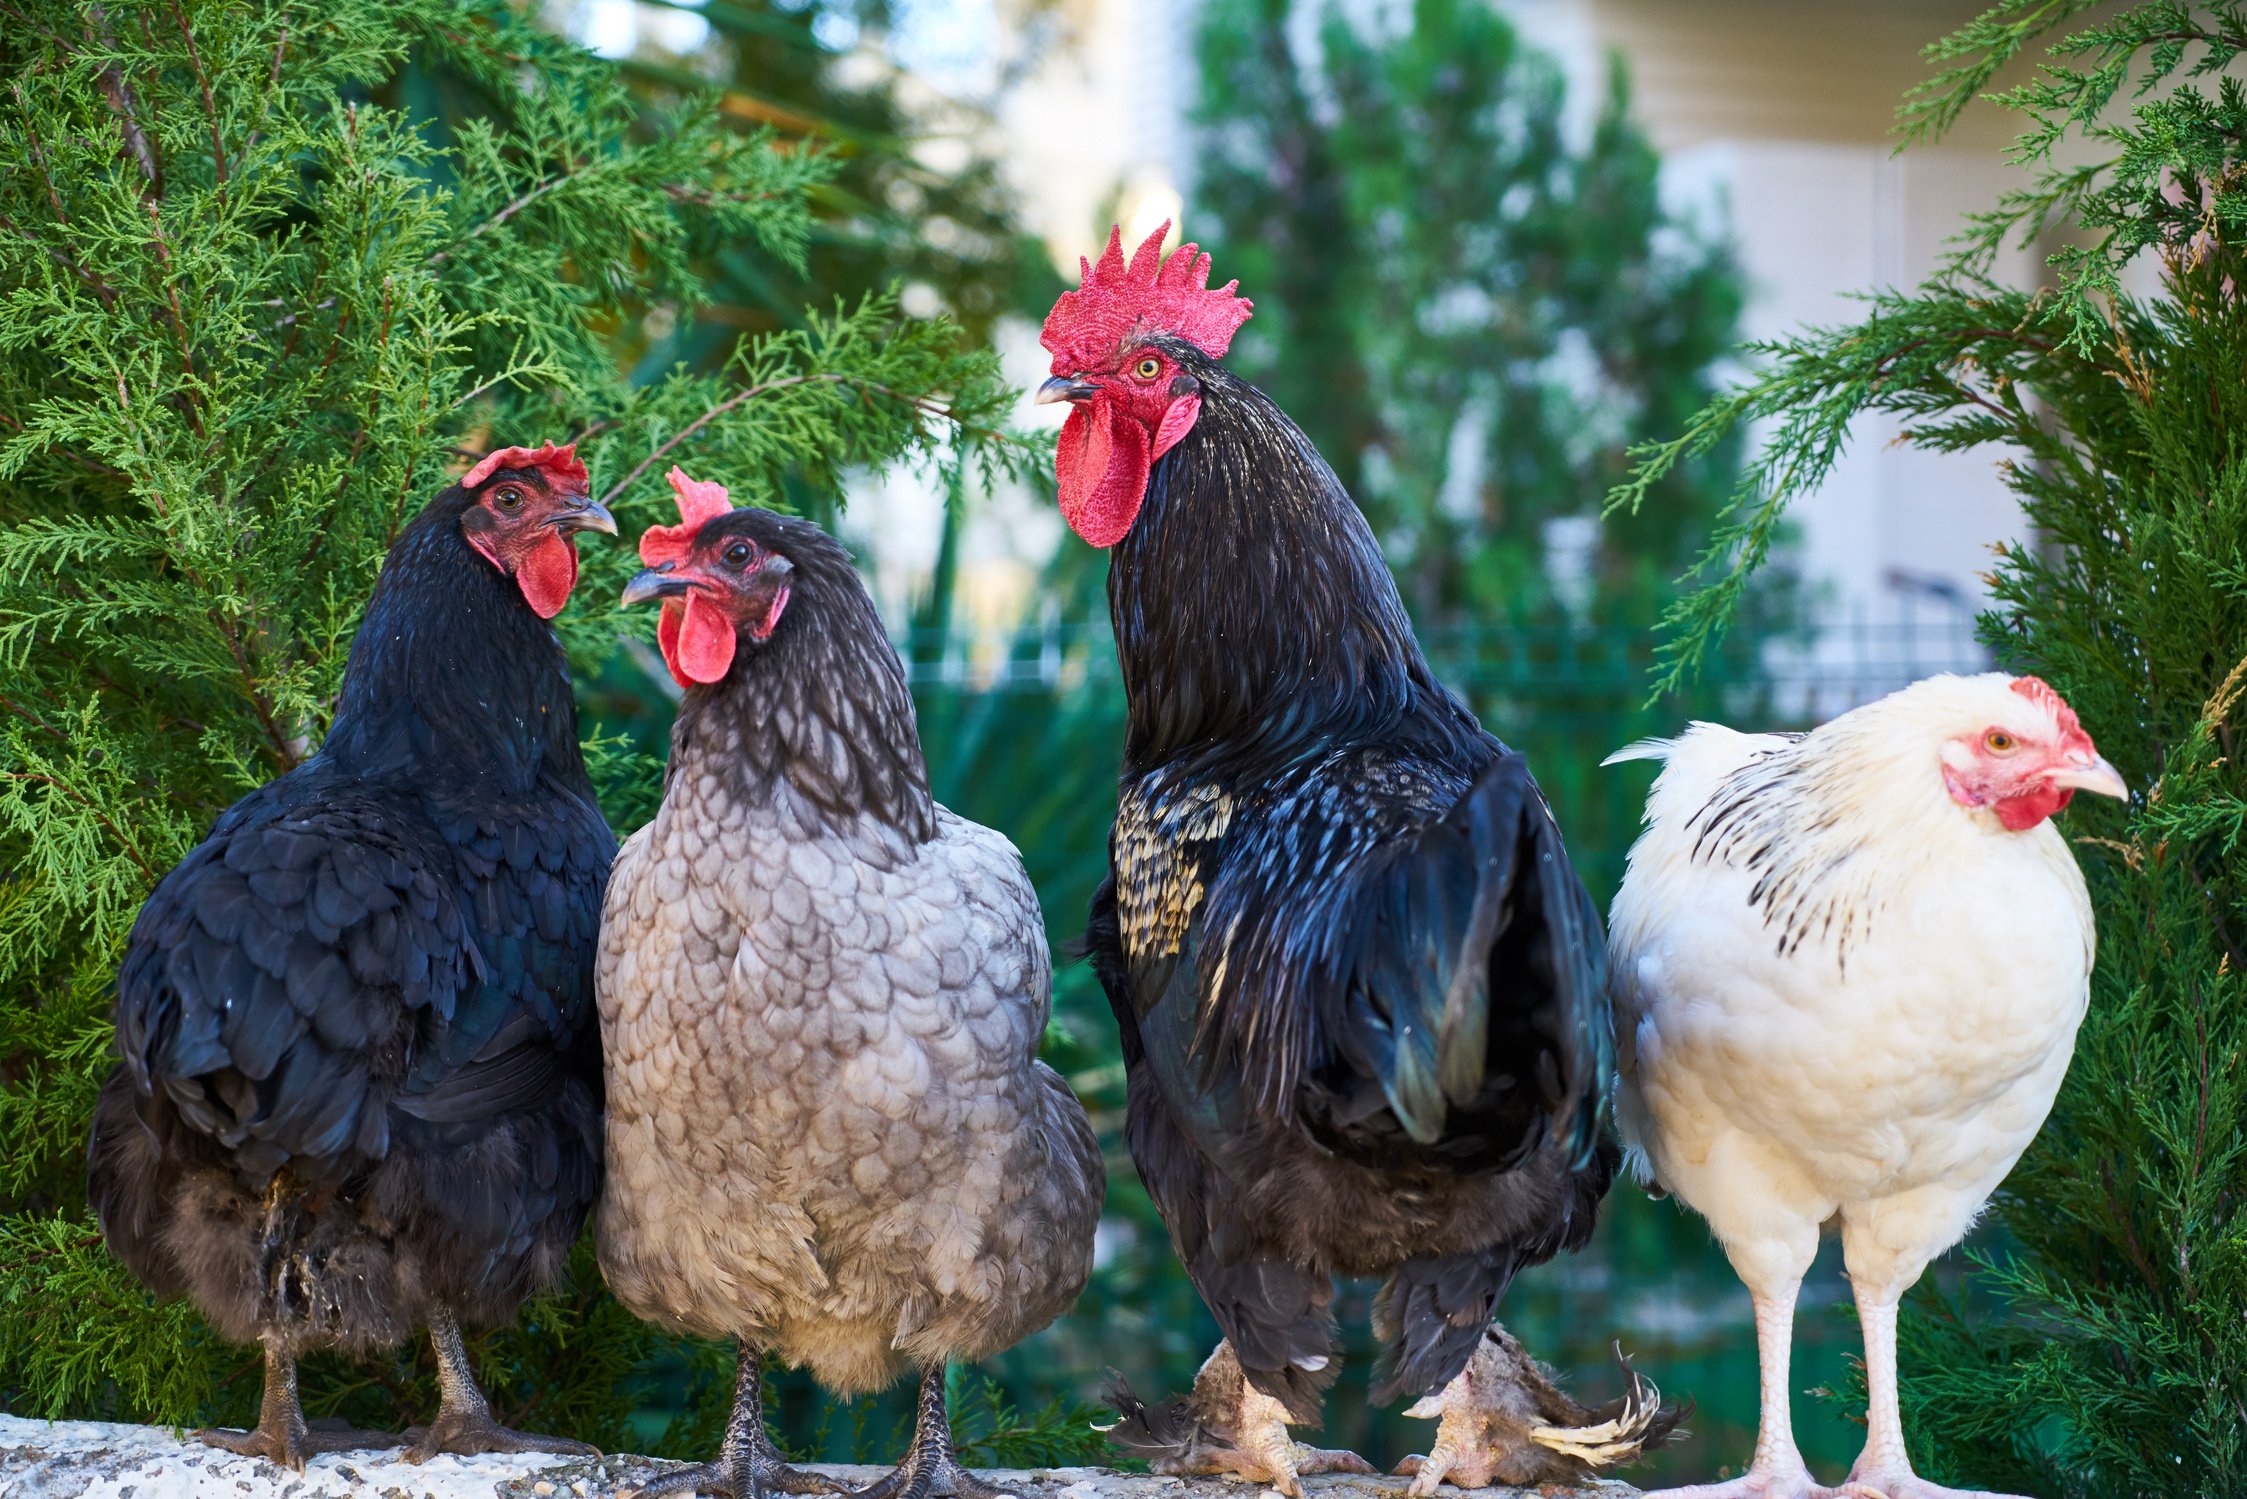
(1848, 970)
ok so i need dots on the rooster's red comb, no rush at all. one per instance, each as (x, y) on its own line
(699, 501)
(561, 462)
(1154, 293)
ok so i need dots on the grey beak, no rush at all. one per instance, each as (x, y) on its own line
(655, 583)
(1062, 388)
(591, 516)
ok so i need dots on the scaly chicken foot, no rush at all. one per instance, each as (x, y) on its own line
(1241, 1432)
(1504, 1421)
(931, 1465)
(281, 1435)
(1884, 1470)
(1777, 1471)
(749, 1466)
(464, 1424)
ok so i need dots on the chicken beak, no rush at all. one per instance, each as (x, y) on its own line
(655, 583)
(1063, 388)
(590, 516)
(2097, 777)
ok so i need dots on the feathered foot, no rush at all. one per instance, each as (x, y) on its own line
(1226, 1427)
(748, 1465)
(281, 1435)
(464, 1423)
(1505, 1421)
(931, 1466)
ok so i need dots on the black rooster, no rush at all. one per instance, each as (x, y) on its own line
(361, 1080)
(1364, 1008)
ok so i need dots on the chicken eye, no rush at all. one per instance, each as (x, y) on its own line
(1998, 742)
(509, 497)
(1148, 368)
(737, 555)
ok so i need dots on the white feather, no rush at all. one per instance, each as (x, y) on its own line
(1838, 991)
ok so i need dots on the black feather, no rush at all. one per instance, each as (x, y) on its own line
(1365, 1018)
(320, 1065)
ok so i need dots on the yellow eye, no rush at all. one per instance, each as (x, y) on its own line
(1998, 742)
(509, 497)
(1148, 368)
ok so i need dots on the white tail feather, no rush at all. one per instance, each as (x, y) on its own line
(1644, 749)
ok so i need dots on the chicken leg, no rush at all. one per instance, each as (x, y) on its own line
(1884, 1470)
(931, 1465)
(1506, 1421)
(464, 1423)
(1777, 1471)
(1226, 1427)
(748, 1465)
(281, 1435)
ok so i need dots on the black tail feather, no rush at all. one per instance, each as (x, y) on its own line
(1432, 1312)
(1279, 1319)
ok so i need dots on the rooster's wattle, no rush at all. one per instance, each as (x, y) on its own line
(1365, 1019)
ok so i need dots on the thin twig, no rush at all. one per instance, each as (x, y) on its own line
(179, 318)
(131, 851)
(526, 200)
(210, 106)
(821, 377)
(126, 107)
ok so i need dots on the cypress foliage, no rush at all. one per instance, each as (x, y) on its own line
(2103, 1350)
(251, 317)
(1473, 311)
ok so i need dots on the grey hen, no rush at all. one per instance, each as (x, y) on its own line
(821, 997)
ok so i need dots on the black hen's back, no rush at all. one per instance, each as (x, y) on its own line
(356, 1022)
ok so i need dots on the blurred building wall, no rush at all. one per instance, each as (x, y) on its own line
(1780, 114)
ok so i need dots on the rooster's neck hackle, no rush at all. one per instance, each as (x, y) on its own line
(451, 673)
(819, 714)
(1254, 612)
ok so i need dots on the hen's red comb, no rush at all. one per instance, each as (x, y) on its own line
(2039, 692)
(699, 501)
(1154, 293)
(561, 462)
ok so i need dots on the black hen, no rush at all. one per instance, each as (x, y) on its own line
(361, 1082)
(1362, 993)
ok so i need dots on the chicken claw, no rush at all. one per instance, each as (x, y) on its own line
(1226, 1428)
(281, 1435)
(1904, 1484)
(464, 1423)
(748, 1465)
(931, 1464)
(1505, 1421)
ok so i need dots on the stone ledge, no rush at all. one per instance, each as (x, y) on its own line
(95, 1460)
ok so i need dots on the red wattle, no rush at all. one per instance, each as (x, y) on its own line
(548, 573)
(696, 639)
(1102, 465)
(2024, 810)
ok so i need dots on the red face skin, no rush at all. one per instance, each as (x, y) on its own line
(1123, 418)
(2029, 767)
(719, 589)
(1132, 402)
(529, 507)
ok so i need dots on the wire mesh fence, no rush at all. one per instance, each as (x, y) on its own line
(1833, 662)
